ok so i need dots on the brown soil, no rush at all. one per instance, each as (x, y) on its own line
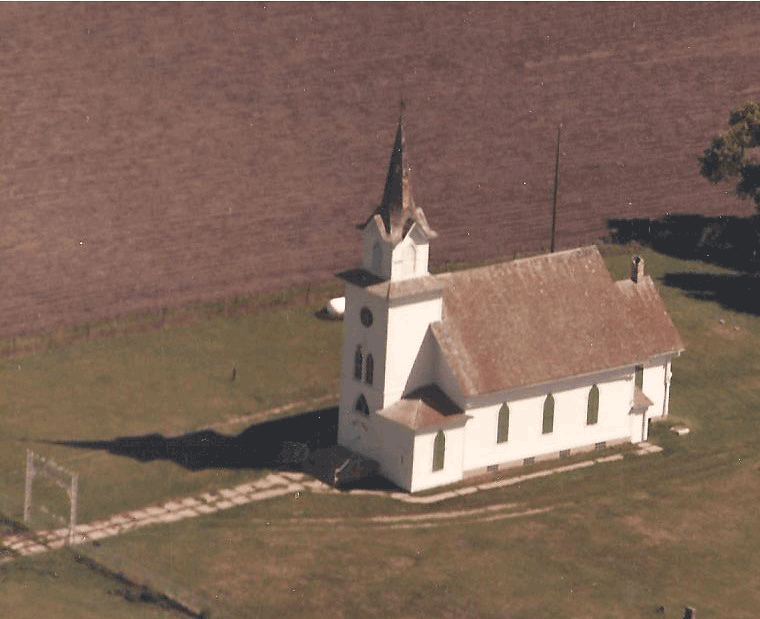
(158, 154)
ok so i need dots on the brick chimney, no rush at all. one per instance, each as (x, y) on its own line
(637, 269)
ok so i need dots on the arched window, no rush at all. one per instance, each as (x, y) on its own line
(439, 451)
(358, 363)
(592, 410)
(369, 370)
(502, 428)
(409, 258)
(638, 377)
(361, 405)
(377, 257)
(548, 423)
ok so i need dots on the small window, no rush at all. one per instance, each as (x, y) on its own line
(358, 363)
(369, 370)
(592, 410)
(547, 426)
(409, 257)
(502, 429)
(638, 376)
(361, 405)
(377, 257)
(439, 451)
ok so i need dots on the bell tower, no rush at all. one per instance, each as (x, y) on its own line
(396, 234)
(391, 299)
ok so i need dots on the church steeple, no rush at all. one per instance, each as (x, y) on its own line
(397, 211)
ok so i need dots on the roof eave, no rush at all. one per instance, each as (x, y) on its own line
(619, 368)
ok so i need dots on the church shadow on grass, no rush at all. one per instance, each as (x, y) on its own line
(284, 444)
(279, 444)
(740, 292)
(727, 241)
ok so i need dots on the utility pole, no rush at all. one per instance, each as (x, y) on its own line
(556, 185)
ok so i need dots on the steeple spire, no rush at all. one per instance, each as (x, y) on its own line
(397, 196)
(397, 207)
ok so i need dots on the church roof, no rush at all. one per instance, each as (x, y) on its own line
(387, 289)
(425, 408)
(536, 320)
(640, 401)
(397, 211)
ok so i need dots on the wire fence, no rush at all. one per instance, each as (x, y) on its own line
(139, 583)
(133, 581)
(21, 343)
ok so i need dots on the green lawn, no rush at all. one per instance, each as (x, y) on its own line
(55, 585)
(616, 540)
(172, 382)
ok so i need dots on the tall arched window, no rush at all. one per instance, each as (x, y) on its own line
(592, 411)
(547, 426)
(369, 369)
(358, 363)
(361, 405)
(410, 258)
(439, 451)
(638, 376)
(502, 427)
(377, 257)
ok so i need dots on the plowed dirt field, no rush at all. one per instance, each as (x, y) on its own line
(158, 154)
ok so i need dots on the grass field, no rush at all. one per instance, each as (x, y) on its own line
(168, 383)
(618, 540)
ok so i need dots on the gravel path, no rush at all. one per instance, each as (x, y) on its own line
(290, 483)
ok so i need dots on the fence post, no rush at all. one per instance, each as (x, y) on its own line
(28, 487)
(74, 497)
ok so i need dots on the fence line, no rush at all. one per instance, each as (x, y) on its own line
(140, 583)
(152, 320)
(154, 587)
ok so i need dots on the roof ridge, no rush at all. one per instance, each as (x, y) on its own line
(547, 317)
(519, 261)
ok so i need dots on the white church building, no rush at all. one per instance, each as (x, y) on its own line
(452, 375)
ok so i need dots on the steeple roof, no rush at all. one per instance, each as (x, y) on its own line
(397, 210)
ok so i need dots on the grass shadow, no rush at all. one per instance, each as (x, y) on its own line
(306, 442)
(727, 241)
(739, 292)
(280, 444)
(324, 314)
(376, 483)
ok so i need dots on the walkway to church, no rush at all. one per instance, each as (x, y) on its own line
(282, 484)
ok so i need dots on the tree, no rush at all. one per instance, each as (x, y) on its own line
(735, 154)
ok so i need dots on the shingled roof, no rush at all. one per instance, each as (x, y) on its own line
(387, 289)
(425, 408)
(540, 319)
